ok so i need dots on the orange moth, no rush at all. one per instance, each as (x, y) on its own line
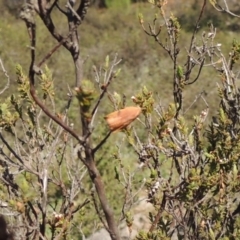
(122, 118)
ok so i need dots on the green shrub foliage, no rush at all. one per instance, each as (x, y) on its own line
(65, 175)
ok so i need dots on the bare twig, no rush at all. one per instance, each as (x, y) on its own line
(72, 46)
(225, 9)
(189, 67)
(160, 211)
(10, 149)
(7, 76)
(199, 72)
(107, 82)
(98, 212)
(102, 142)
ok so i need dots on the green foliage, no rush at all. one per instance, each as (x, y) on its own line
(190, 170)
(145, 100)
(7, 119)
(176, 28)
(85, 95)
(46, 83)
(11, 109)
(235, 51)
(206, 160)
(140, 65)
(118, 4)
(43, 149)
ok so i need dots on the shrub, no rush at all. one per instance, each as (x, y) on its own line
(60, 180)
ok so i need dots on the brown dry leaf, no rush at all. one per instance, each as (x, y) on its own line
(122, 118)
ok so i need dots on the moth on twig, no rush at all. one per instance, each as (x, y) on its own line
(122, 118)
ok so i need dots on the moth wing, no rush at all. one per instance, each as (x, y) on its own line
(114, 120)
(120, 119)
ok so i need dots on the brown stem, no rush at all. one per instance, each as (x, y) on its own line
(53, 117)
(72, 44)
(159, 214)
(99, 185)
(189, 67)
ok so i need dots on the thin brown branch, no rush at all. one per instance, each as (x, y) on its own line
(33, 210)
(80, 206)
(104, 90)
(199, 72)
(108, 77)
(53, 117)
(50, 53)
(159, 214)
(46, 18)
(51, 6)
(31, 28)
(61, 10)
(100, 189)
(102, 142)
(73, 46)
(152, 33)
(10, 149)
(82, 9)
(192, 39)
(98, 211)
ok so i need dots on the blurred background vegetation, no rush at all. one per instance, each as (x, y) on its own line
(111, 26)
